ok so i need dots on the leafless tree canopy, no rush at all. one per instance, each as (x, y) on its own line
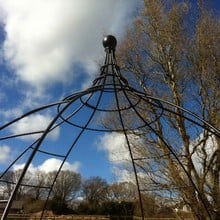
(172, 52)
(95, 190)
(66, 186)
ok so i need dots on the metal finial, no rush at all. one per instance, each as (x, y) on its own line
(110, 42)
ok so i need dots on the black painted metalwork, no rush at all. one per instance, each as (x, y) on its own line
(109, 96)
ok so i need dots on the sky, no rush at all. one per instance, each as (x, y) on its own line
(49, 49)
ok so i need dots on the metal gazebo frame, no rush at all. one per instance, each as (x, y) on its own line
(110, 84)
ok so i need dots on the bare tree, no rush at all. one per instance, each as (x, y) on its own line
(124, 191)
(67, 185)
(39, 180)
(173, 54)
(7, 184)
(23, 188)
(95, 190)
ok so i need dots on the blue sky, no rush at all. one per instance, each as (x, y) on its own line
(49, 50)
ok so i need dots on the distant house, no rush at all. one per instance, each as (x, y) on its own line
(17, 206)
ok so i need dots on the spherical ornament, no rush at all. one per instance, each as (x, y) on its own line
(110, 42)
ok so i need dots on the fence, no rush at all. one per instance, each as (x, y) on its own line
(83, 217)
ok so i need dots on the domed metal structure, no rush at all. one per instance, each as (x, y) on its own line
(109, 97)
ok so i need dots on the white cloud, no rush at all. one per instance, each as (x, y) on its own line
(34, 123)
(53, 164)
(45, 38)
(12, 112)
(5, 153)
(49, 165)
(115, 146)
(31, 168)
(123, 175)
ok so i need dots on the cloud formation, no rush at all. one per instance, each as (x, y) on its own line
(5, 153)
(53, 164)
(115, 146)
(45, 38)
(49, 165)
(44, 41)
(34, 123)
